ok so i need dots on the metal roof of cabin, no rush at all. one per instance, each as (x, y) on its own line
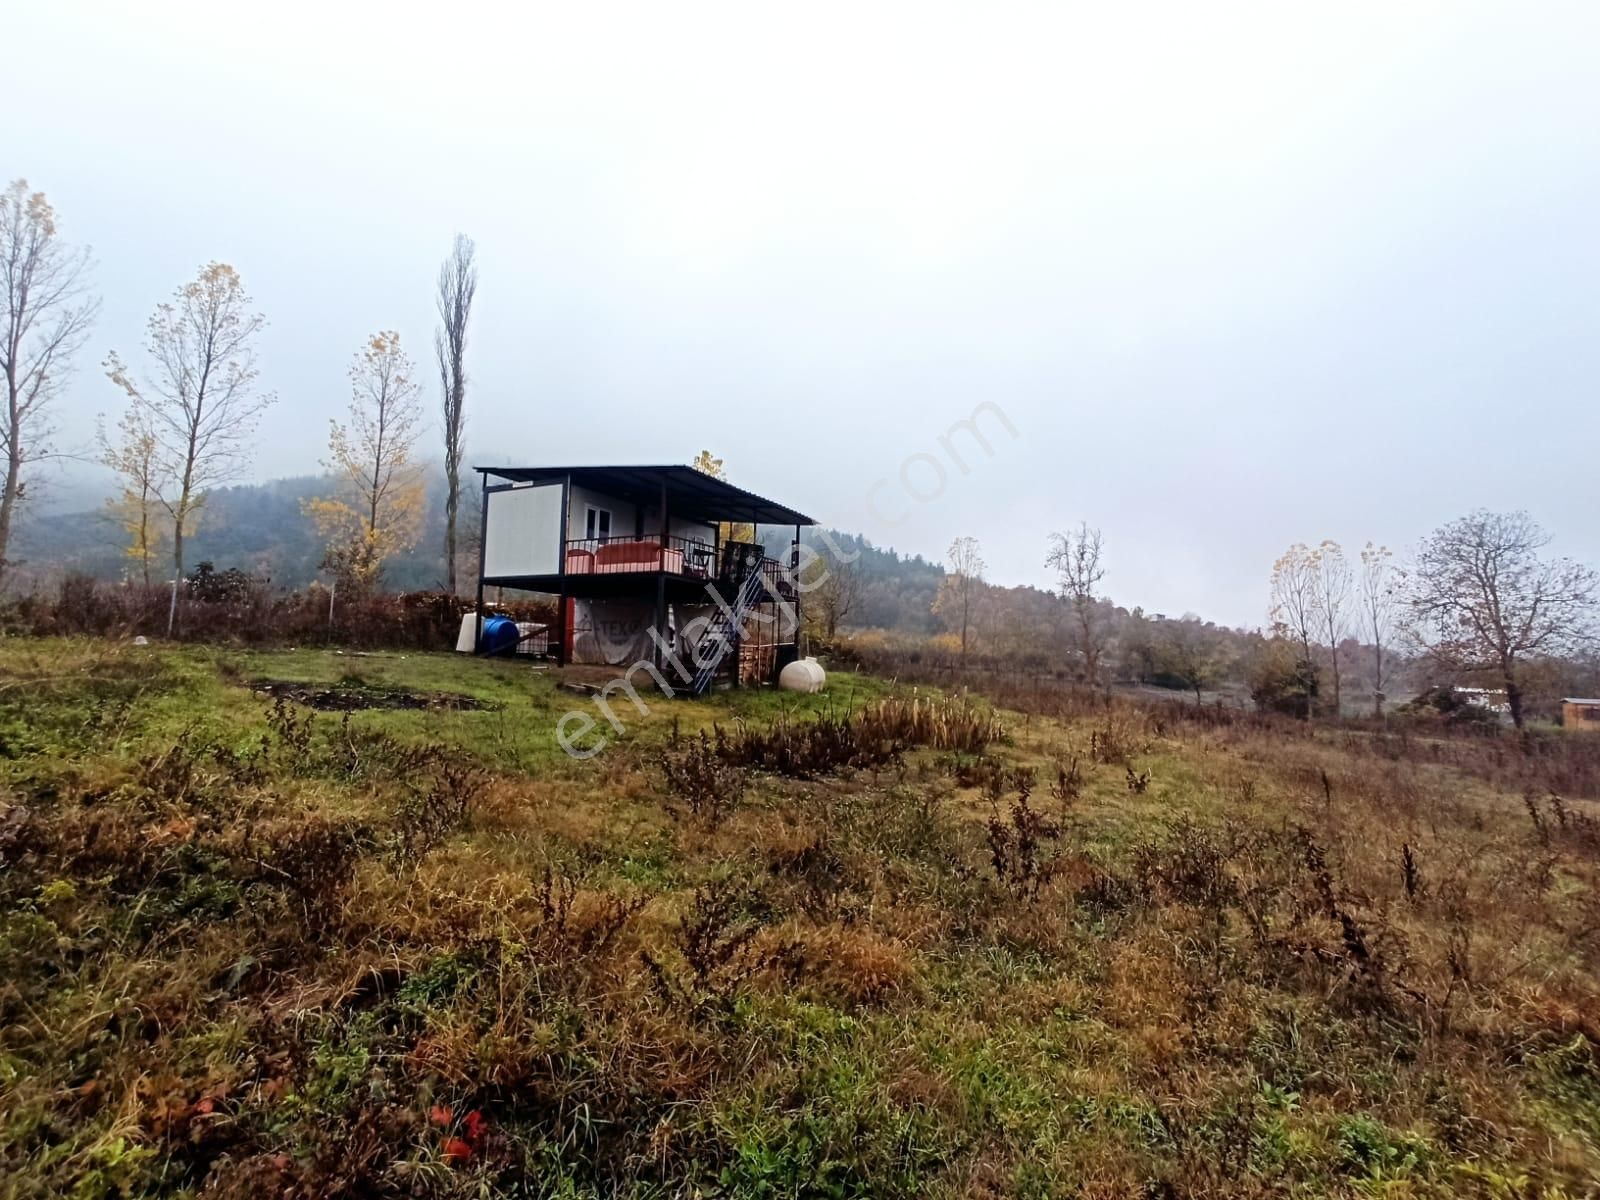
(1578, 700)
(690, 493)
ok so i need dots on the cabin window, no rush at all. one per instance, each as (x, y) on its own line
(596, 522)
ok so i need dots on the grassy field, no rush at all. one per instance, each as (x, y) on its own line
(859, 944)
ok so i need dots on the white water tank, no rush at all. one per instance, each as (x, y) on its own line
(802, 675)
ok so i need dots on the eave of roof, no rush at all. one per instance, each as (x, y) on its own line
(691, 492)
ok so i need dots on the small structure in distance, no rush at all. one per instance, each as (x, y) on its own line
(638, 562)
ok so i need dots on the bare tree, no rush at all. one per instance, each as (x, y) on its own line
(378, 511)
(1331, 606)
(458, 284)
(1379, 595)
(838, 593)
(1481, 599)
(959, 590)
(199, 400)
(45, 314)
(1294, 600)
(1075, 558)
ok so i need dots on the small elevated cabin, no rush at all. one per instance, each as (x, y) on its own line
(1578, 713)
(650, 565)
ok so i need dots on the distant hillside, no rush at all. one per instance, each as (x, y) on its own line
(257, 527)
(896, 592)
(261, 528)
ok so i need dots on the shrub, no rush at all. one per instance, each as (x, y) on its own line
(578, 929)
(818, 870)
(1117, 739)
(234, 607)
(697, 772)
(717, 944)
(1283, 682)
(435, 807)
(876, 736)
(207, 585)
(315, 858)
(1446, 704)
(1017, 846)
(1189, 866)
(805, 749)
(942, 722)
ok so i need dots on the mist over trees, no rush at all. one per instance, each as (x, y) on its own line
(1479, 601)
(262, 529)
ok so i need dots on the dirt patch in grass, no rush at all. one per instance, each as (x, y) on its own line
(351, 697)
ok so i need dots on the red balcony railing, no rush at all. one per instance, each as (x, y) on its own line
(649, 554)
(639, 555)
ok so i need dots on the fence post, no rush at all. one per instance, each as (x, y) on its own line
(172, 607)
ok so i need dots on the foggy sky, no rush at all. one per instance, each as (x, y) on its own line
(1238, 276)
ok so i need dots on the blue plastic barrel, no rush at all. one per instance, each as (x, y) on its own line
(499, 636)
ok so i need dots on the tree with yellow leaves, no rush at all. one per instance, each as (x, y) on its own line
(377, 511)
(136, 458)
(730, 531)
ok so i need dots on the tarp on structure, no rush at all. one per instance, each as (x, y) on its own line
(616, 633)
(613, 633)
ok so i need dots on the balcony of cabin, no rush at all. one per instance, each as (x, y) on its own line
(650, 554)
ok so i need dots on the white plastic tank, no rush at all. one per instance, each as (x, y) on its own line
(802, 675)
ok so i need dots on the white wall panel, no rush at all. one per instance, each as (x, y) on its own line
(524, 532)
(623, 514)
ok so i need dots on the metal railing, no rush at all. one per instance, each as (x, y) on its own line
(640, 555)
(650, 553)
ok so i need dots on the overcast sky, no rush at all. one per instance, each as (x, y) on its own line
(1238, 276)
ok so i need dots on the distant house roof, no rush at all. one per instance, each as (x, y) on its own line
(1580, 700)
(690, 493)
